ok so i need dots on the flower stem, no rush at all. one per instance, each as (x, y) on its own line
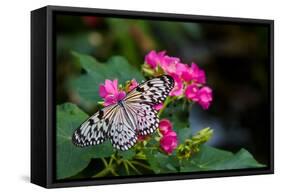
(142, 165)
(108, 167)
(126, 168)
(132, 166)
(102, 173)
(113, 172)
(111, 160)
(104, 162)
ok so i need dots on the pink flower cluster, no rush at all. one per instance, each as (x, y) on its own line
(169, 140)
(189, 79)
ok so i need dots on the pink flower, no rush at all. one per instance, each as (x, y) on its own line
(178, 87)
(205, 97)
(194, 73)
(171, 65)
(202, 96)
(153, 58)
(169, 142)
(158, 106)
(191, 92)
(109, 91)
(132, 85)
(165, 126)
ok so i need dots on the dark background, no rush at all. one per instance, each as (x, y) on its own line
(234, 56)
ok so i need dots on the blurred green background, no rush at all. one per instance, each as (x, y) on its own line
(234, 57)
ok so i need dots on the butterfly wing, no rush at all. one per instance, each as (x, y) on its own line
(146, 119)
(153, 91)
(140, 101)
(95, 129)
(122, 133)
(110, 122)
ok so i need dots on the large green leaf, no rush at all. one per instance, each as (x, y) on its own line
(242, 159)
(71, 159)
(96, 73)
(210, 158)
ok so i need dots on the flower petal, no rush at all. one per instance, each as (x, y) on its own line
(165, 126)
(102, 91)
(178, 87)
(158, 106)
(115, 85)
(205, 97)
(110, 99)
(169, 142)
(191, 92)
(120, 95)
(132, 85)
(109, 87)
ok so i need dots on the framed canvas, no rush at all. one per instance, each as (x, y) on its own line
(125, 96)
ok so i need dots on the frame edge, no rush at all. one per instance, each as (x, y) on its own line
(38, 97)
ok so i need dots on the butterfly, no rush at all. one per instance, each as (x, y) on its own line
(123, 121)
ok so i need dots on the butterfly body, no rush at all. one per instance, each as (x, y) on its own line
(122, 122)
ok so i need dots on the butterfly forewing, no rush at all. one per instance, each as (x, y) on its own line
(95, 129)
(153, 91)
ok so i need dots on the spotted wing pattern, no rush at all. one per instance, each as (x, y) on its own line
(122, 133)
(153, 91)
(95, 129)
(146, 119)
(142, 99)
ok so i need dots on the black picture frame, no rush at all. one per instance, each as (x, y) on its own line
(43, 98)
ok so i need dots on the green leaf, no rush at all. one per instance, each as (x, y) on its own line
(87, 85)
(210, 158)
(127, 155)
(160, 162)
(72, 159)
(177, 113)
(242, 159)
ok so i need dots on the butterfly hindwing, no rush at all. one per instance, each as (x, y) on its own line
(145, 116)
(122, 133)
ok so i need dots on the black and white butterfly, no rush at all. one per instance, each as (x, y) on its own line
(122, 122)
